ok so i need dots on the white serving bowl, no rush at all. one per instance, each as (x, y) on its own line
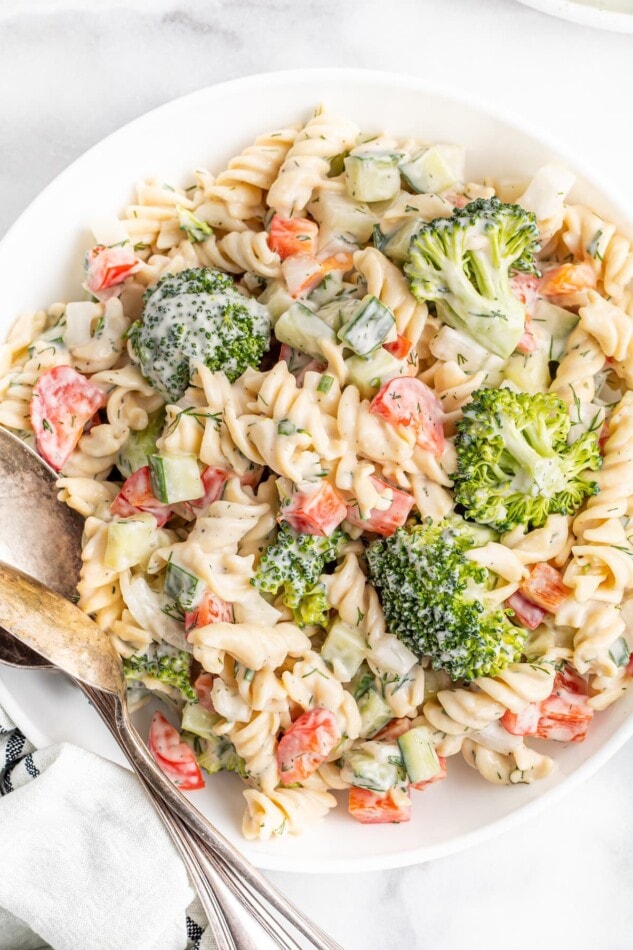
(40, 262)
(615, 15)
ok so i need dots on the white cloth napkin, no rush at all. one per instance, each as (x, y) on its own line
(84, 860)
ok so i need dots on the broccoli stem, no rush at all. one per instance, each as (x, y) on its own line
(536, 472)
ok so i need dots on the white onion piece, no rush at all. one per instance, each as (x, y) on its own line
(146, 606)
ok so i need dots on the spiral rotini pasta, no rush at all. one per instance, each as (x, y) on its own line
(575, 376)
(598, 626)
(601, 566)
(520, 766)
(252, 173)
(456, 713)
(240, 251)
(25, 361)
(592, 239)
(552, 542)
(284, 810)
(308, 161)
(607, 323)
(454, 389)
(153, 219)
(257, 646)
(89, 497)
(24, 331)
(99, 586)
(210, 553)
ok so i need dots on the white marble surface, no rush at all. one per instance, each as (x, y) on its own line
(73, 70)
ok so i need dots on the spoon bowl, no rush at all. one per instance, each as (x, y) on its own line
(30, 512)
(58, 631)
(15, 653)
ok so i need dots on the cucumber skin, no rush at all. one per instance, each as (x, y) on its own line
(303, 330)
(141, 444)
(344, 650)
(374, 176)
(419, 756)
(431, 171)
(372, 315)
(169, 475)
(182, 586)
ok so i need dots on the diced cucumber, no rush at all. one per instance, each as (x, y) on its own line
(377, 766)
(277, 299)
(395, 246)
(372, 176)
(557, 322)
(369, 374)
(181, 586)
(620, 652)
(140, 445)
(303, 330)
(435, 169)
(329, 288)
(529, 371)
(419, 756)
(199, 721)
(175, 478)
(434, 681)
(129, 542)
(375, 713)
(344, 650)
(341, 216)
(338, 311)
(370, 326)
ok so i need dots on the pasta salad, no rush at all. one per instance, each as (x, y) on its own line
(352, 436)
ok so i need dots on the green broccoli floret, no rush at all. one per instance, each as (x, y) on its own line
(197, 316)
(294, 563)
(435, 599)
(514, 464)
(463, 264)
(164, 664)
(312, 608)
(218, 755)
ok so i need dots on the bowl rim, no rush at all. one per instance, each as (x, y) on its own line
(575, 11)
(624, 731)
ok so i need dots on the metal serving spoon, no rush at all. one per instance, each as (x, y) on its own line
(44, 537)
